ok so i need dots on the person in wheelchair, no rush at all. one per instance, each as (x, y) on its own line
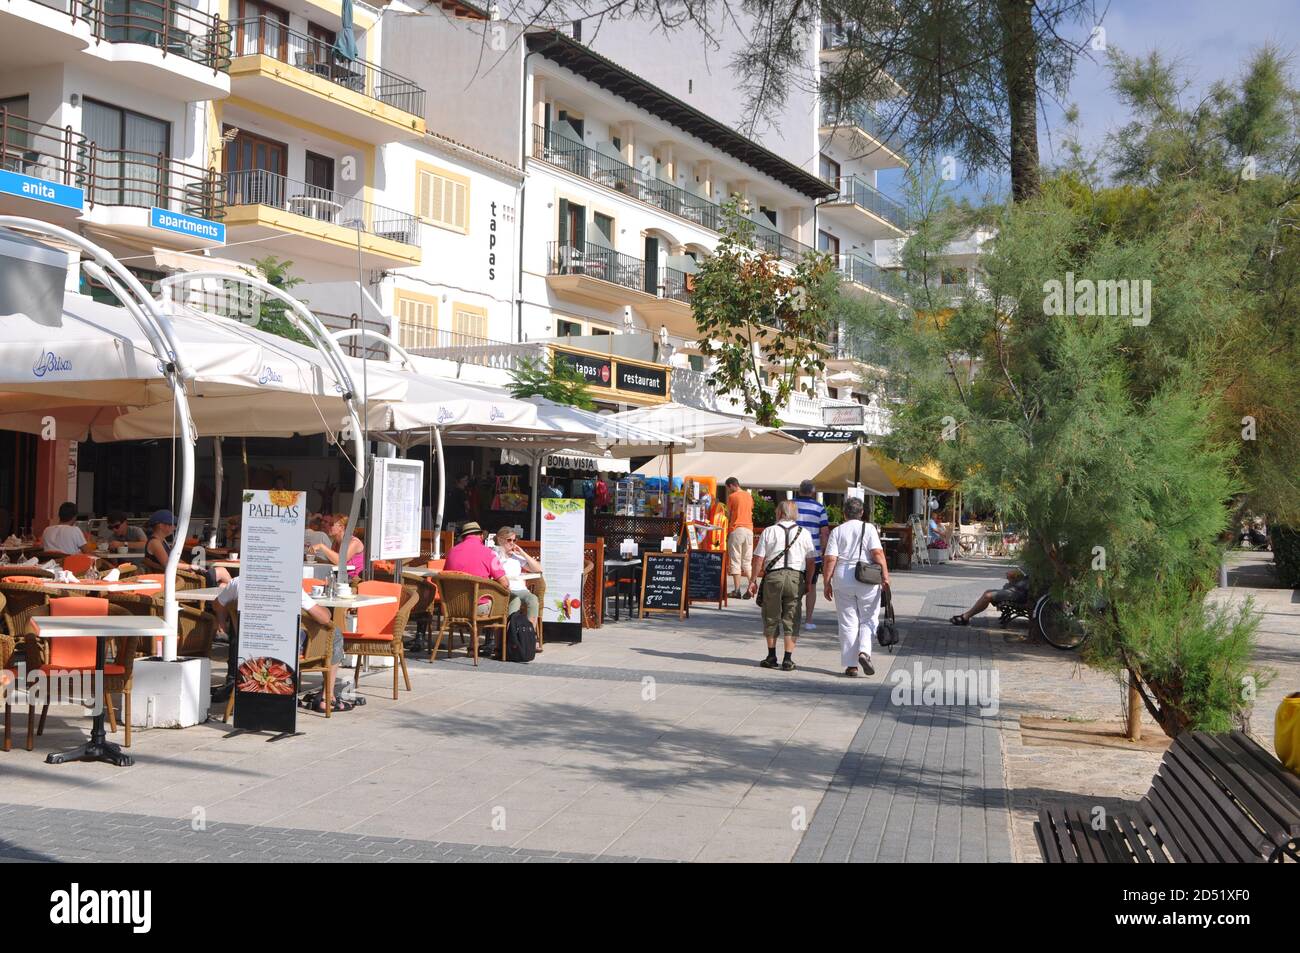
(1010, 598)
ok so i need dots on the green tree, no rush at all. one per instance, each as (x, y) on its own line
(271, 313)
(1115, 440)
(763, 322)
(557, 381)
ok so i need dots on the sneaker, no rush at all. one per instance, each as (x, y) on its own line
(788, 665)
(769, 663)
(810, 626)
(865, 661)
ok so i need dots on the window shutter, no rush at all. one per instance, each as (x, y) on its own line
(419, 322)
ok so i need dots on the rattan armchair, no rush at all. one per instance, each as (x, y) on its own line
(19, 600)
(461, 593)
(36, 571)
(197, 629)
(185, 578)
(7, 682)
(380, 629)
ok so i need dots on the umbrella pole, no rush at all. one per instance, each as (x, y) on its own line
(534, 524)
(442, 494)
(668, 496)
(218, 477)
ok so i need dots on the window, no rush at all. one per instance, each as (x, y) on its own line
(469, 324)
(696, 362)
(605, 229)
(768, 213)
(567, 329)
(442, 198)
(127, 168)
(262, 28)
(830, 170)
(828, 243)
(599, 331)
(417, 318)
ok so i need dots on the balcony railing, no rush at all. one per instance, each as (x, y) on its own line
(596, 261)
(41, 151)
(675, 284)
(861, 116)
(862, 272)
(357, 347)
(864, 195)
(465, 348)
(270, 37)
(144, 180)
(572, 156)
(170, 26)
(259, 187)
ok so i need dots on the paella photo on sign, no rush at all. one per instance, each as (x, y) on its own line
(268, 676)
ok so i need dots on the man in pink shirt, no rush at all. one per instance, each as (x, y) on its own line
(472, 556)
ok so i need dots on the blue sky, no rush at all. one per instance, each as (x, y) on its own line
(1212, 40)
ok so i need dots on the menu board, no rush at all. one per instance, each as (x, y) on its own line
(663, 583)
(564, 530)
(270, 601)
(398, 486)
(706, 577)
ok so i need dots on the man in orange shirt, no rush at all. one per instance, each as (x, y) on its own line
(740, 540)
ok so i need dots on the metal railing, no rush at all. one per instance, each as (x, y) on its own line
(862, 272)
(861, 116)
(42, 151)
(675, 284)
(270, 37)
(467, 349)
(170, 26)
(356, 347)
(596, 261)
(144, 180)
(559, 150)
(863, 194)
(260, 187)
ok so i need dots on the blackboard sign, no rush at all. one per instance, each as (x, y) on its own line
(706, 577)
(663, 583)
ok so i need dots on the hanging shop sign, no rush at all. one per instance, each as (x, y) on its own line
(616, 376)
(854, 415)
(826, 435)
(191, 226)
(39, 190)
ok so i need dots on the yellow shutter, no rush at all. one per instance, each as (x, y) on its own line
(469, 324)
(417, 316)
(442, 197)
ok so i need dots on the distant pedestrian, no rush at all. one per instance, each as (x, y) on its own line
(740, 537)
(857, 603)
(813, 518)
(783, 563)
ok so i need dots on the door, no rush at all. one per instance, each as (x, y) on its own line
(651, 271)
(320, 185)
(573, 236)
(255, 169)
(262, 29)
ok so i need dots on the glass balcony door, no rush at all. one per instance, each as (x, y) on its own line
(132, 152)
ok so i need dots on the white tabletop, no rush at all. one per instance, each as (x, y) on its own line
(102, 627)
(353, 602)
(622, 562)
(110, 555)
(89, 586)
(198, 595)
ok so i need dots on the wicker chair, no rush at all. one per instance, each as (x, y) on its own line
(380, 628)
(185, 578)
(20, 598)
(429, 607)
(315, 657)
(197, 629)
(36, 571)
(7, 680)
(460, 596)
(118, 673)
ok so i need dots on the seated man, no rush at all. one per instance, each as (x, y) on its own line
(66, 536)
(221, 608)
(1016, 592)
(471, 556)
(119, 532)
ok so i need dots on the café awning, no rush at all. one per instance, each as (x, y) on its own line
(829, 465)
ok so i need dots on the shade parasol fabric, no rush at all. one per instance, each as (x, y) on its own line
(829, 465)
(709, 431)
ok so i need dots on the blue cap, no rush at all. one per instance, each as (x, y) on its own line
(163, 516)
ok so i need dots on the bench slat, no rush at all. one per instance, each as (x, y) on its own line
(1218, 808)
(1049, 842)
(1169, 817)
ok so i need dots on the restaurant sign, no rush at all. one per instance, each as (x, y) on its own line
(826, 435)
(617, 375)
(598, 371)
(270, 605)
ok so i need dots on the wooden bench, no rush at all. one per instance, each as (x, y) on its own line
(1214, 799)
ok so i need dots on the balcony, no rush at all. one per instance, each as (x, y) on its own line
(613, 173)
(123, 186)
(858, 274)
(48, 153)
(319, 223)
(866, 210)
(672, 307)
(39, 32)
(300, 75)
(863, 134)
(592, 274)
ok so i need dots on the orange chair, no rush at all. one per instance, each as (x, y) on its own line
(78, 655)
(380, 628)
(7, 679)
(79, 563)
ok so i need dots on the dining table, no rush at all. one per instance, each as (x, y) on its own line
(101, 628)
(101, 585)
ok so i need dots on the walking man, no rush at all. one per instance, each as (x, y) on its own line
(812, 517)
(783, 562)
(740, 539)
(857, 603)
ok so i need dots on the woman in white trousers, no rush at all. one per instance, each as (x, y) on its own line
(857, 604)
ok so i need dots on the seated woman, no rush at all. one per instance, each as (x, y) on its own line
(161, 526)
(356, 556)
(516, 562)
(1015, 592)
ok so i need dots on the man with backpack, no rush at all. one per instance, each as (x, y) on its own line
(783, 563)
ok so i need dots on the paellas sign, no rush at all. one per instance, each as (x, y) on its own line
(270, 605)
(563, 534)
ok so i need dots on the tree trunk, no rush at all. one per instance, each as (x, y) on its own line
(1019, 71)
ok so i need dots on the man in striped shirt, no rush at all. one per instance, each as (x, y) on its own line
(812, 517)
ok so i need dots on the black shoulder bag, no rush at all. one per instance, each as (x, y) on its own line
(866, 571)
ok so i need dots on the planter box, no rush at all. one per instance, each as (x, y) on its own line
(939, 555)
(171, 694)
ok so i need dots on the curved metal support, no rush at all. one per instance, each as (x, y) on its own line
(310, 325)
(442, 493)
(158, 331)
(363, 333)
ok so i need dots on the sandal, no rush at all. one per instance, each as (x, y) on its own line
(959, 620)
(851, 672)
(336, 705)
